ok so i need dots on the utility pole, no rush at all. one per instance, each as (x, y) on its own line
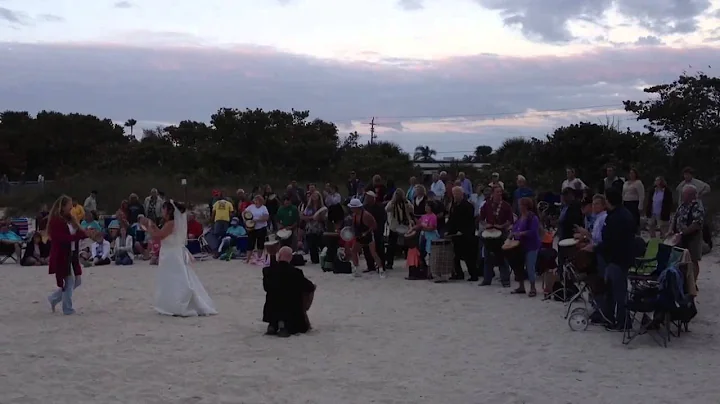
(372, 131)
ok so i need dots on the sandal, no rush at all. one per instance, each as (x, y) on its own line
(532, 293)
(518, 291)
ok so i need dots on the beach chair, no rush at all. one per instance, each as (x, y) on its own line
(647, 264)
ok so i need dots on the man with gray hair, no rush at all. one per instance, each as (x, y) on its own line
(688, 224)
(438, 186)
(461, 225)
(289, 295)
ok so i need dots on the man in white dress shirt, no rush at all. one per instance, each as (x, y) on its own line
(438, 186)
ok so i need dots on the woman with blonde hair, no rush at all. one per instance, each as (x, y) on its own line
(314, 215)
(65, 234)
(400, 214)
(258, 231)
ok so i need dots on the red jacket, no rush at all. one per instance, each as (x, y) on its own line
(194, 228)
(61, 257)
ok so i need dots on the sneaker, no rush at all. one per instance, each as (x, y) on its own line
(382, 274)
(356, 272)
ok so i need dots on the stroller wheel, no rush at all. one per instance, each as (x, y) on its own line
(578, 320)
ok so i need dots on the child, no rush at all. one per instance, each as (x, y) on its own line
(428, 224)
(36, 253)
(123, 247)
(100, 250)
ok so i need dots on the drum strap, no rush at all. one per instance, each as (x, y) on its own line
(400, 212)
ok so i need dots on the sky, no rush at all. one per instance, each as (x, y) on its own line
(450, 74)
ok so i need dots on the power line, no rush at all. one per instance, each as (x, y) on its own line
(478, 115)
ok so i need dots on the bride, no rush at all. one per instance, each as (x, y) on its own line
(178, 291)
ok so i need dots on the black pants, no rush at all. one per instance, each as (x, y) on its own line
(314, 244)
(465, 249)
(257, 238)
(379, 248)
(391, 249)
(634, 208)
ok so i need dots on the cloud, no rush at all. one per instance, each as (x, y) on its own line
(13, 16)
(450, 104)
(123, 4)
(649, 40)
(410, 5)
(50, 18)
(548, 20)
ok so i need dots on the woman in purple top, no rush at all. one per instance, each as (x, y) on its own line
(526, 229)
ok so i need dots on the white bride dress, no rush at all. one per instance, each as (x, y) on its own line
(178, 291)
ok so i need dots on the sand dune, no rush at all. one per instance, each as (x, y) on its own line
(375, 341)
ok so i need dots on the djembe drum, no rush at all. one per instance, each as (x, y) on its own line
(272, 248)
(515, 256)
(331, 241)
(442, 259)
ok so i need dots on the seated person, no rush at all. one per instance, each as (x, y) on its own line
(100, 251)
(10, 242)
(139, 236)
(194, 228)
(90, 223)
(233, 232)
(289, 296)
(37, 252)
(113, 230)
(123, 248)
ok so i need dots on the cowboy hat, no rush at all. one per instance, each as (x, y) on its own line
(355, 203)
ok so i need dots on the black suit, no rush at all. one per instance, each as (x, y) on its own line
(286, 289)
(462, 220)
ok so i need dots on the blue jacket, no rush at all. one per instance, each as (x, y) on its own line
(618, 238)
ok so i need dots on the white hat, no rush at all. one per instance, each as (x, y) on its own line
(371, 193)
(355, 203)
(495, 174)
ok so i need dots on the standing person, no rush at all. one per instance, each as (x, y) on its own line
(364, 227)
(633, 194)
(611, 180)
(688, 223)
(221, 212)
(659, 207)
(399, 213)
(411, 189)
(465, 184)
(77, 211)
(353, 185)
(153, 206)
(496, 214)
(522, 191)
(571, 214)
(333, 201)
(461, 224)
(288, 217)
(438, 207)
(572, 182)
(689, 179)
(242, 201)
(438, 186)
(178, 291)
(64, 262)
(495, 181)
(314, 215)
(618, 252)
(90, 204)
(374, 206)
(419, 201)
(135, 208)
(526, 230)
(273, 204)
(258, 233)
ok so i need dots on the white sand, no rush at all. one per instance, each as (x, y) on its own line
(390, 341)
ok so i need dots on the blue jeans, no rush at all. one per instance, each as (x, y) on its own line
(530, 262)
(123, 259)
(616, 299)
(65, 296)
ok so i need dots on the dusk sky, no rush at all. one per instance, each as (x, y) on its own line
(450, 74)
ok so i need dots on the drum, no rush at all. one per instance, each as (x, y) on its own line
(347, 233)
(284, 234)
(673, 240)
(402, 229)
(567, 250)
(515, 257)
(412, 239)
(342, 256)
(442, 259)
(492, 240)
(331, 241)
(272, 247)
(322, 212)
(249, 224)
(247, 215)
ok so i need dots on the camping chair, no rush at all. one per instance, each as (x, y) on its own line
(647, 264)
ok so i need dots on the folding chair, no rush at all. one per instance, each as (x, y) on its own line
(647, 264)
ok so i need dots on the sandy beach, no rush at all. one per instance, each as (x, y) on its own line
(374, 341)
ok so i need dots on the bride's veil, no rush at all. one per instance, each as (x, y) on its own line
(180, 228)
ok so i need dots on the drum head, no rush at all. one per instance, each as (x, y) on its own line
(492, 233)
(568, 242)
(510, 244)
(402, 229)
(672, 240)
(411, 233)
(347, 233)
(249, 224)
(272, 196)
(247, 215)
(284, 234)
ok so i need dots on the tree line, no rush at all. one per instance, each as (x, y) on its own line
(256, 146)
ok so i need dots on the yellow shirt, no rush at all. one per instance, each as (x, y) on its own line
(222, 210)
(78, 212)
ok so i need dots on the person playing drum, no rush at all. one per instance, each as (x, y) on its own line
(496, 214)
(364, 226)
(400, 219)
(526, 230)
(428, 225)
(461, 225)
